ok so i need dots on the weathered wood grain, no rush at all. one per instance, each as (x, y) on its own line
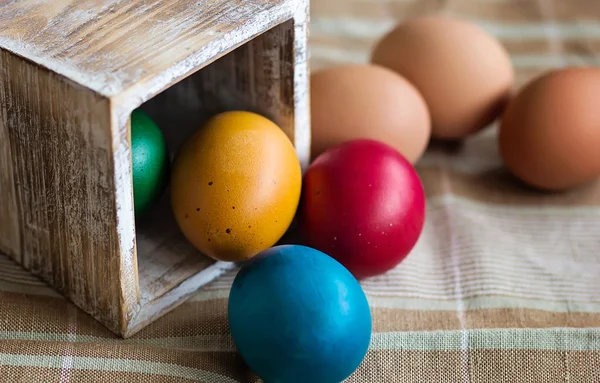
(60, 143)
(10, 233)
(110, 46)
(165, 257)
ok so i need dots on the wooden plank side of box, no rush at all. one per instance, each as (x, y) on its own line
(60, 173)
(112, 46)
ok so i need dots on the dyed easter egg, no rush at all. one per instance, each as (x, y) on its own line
(150, 161)
(297, 315)
(235, 186)
(363, 204)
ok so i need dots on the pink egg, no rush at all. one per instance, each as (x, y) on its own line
(363, 204)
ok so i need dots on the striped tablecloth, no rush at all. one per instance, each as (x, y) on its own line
(502, 287)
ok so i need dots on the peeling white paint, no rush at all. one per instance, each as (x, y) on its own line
(302, 131)
(125, 211)
(104, 83)
(213, 50)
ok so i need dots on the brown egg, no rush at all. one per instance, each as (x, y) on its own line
(549, 136)
(367, 101)
(464, 74)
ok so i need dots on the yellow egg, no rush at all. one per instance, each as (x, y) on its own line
(236, 186)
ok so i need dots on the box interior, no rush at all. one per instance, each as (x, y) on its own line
(258, 77)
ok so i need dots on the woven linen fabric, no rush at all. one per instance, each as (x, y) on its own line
(503, 285)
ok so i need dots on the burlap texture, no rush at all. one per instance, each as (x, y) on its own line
(502, 287)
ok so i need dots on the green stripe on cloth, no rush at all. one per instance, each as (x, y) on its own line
(515, 210)
(107, 364)
(469, 303)
(556, 339)
(477, 303)
(356, 27)
(553, 339)
(197, 343)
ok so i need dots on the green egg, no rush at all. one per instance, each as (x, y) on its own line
(150, 161)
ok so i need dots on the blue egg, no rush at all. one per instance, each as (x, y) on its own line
(298, 315)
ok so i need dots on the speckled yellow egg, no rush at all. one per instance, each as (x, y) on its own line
(235, 186)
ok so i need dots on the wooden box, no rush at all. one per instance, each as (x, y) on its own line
(71, 73)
